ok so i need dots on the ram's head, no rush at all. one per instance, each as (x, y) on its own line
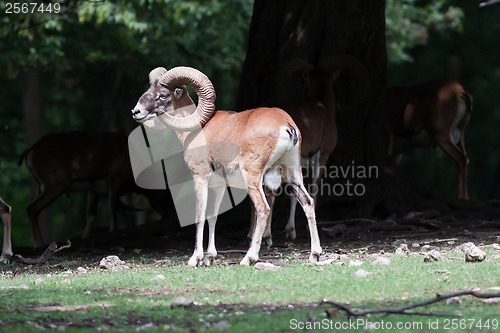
(167, 104)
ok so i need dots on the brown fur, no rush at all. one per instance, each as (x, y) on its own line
(433, 108)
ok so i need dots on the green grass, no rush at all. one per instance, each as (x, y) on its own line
(242, 297)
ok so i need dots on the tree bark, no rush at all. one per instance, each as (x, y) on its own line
(32, 105)
(350, 35)
(33, 124)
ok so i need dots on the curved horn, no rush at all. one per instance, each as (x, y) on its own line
(179, 76)
(155, 74)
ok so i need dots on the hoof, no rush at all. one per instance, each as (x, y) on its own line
(314, 257)
(268, 241)
(5, 259)
(208, 261)
(194, 261)
(247, 261)
(290, 234)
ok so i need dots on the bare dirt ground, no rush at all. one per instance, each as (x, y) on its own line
(160, 240)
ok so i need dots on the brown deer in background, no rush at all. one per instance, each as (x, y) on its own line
(428, 114)
(67, 162)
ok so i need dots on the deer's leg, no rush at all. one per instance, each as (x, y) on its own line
(290, 225)
(212, 219)
(253, 218)
(6, 214)
(268, 237)
(446, 143)
(294, 178)
(92, 202)
(463, 178)
(201, 192)
(46, 197)
(113, 199)
(290, 231)
(307, 204)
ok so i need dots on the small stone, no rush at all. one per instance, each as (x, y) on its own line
(158, 277)
(325, 262)
(112, 263)
(432, 255)
(426, 248)
(441, 271)
(266, 266)
(496, 246)
(381, 261)
(453, 300)
(403, 250)
(362, 273)
(473, 253)
(355, 263)
(67, 281)
(181, 302)
(81, 270)
(146, 327)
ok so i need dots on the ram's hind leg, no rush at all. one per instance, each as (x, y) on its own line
(262, 212)
(267, 236)
(293, 176)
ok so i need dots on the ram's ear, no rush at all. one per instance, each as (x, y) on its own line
(155, 74)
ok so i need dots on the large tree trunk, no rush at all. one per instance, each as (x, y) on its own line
(32, 105)
(33, 124)
(349, 34)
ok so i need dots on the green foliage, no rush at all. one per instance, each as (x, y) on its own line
(409, 22)
(470, 56)
(94, 57)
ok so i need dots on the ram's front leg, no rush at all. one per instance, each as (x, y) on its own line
(201, 193)
(212, 219)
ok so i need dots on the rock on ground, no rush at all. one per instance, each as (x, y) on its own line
(432, 255)
(473, 253)
(112, 263)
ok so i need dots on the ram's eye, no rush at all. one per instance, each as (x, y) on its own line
(163, 97)
(178, 93)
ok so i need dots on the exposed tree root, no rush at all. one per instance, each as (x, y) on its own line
(46, 255)
(404, 310)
